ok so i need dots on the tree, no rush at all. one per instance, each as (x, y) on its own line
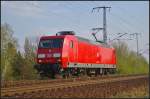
(29, 71)
(18, 65)
(128, 62)
(14, 66)
(11, 52)
(8, 50)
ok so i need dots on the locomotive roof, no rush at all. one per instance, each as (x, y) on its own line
(81, 39)
(92, 42)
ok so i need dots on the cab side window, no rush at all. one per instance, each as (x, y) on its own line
(71, 44)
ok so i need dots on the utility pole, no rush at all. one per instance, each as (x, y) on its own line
(137, 47)
(104, 21)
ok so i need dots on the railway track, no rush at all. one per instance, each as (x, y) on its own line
(8, 84)
(57, 88)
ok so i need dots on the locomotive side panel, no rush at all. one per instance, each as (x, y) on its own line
(114, 57)
(86, 53)
(82, 52)
(90, 55)
(65, 53)
(107, 56)
(70, 51)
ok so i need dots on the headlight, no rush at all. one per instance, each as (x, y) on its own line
(41, 55)
(56, 55)
(40, 60)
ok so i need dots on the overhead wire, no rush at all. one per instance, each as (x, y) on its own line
(123, 20)
(135, 19)
(71, 19)
(124, 27)
(71, 9)
(144, 51)
(131, 16)
(112, 20)
(83, 13)
(56, 14)
(80, 15)
(128, 24)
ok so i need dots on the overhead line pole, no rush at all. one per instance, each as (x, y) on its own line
(118, 37)
(137, 46)
(104, 21)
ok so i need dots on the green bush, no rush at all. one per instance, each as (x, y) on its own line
(128, 62)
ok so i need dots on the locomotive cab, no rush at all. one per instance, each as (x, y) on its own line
(49, 55)
(50, 47)
(49, 50)
(52, 53)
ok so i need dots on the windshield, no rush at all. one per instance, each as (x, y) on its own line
(51, 43)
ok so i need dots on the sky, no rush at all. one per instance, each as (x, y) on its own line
(37, 18)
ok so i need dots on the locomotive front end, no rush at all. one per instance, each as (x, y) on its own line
(50, 50)
(49, 55)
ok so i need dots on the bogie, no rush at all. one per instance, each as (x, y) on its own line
(76, 72)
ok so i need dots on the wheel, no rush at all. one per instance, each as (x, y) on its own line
(114, 71)
(97, 72)
(105, 71)
(88, 72)
(42, 76)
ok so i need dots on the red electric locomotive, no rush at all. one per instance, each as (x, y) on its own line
(66, 54)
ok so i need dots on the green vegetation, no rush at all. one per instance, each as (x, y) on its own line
(128, 62)
(8, 51)
(16, 65)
